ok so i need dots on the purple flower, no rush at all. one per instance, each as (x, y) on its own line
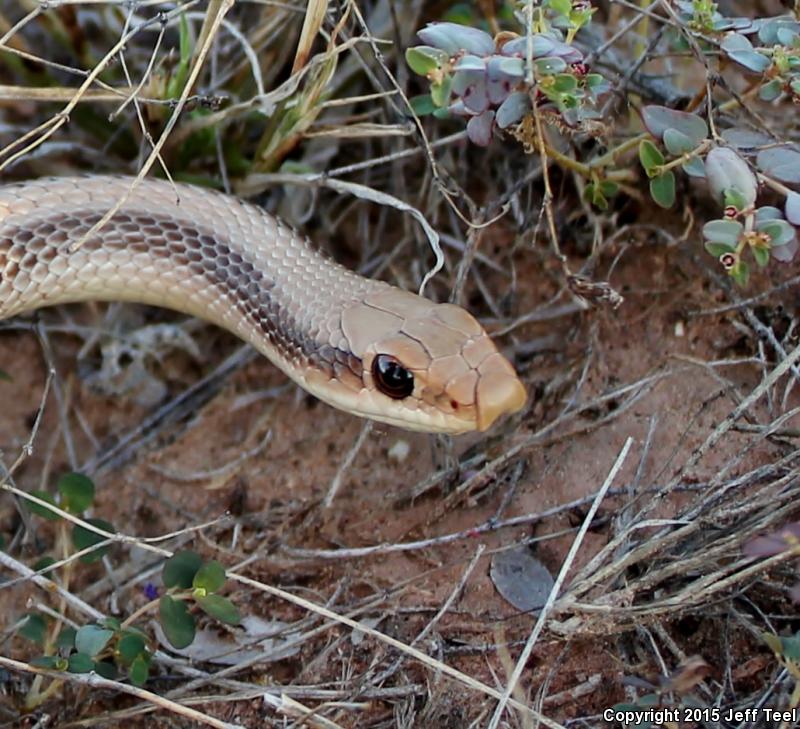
(150, 591)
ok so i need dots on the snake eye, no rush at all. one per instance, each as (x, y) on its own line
(392, 379)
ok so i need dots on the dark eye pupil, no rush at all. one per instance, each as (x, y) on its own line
(391, 377)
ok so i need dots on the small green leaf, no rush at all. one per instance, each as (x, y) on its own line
(741, 50)
(772, 228)
(726, 232)
(774, 643)
(77, 492)
(177, 622)
(453, 38)
(793, 208)
(5, 377)
(740, 273)
(461, 13)
(178, 79)
(600, 201)
(80, 663)
(623, 707)
(54, 663)
(562, 7)
(761, 255)
(440, 92)
(766, 213)
(83, 538)
(111, 623)
(658, 119)
(718, 249)
(210, 577)
(595, 196)
(770, 90)
(782, 163)
(779, 231)
(470, 63)
(595, 82)
(662, 189)
(549, 65)
(565, 83)
(139, 670)
(180, 569)
(633, 710)
(579, 18)
(422, 105)
(513, 67)
(567, 101)
(650, 156)
(791, 648)
(106, 669)
(733, 198)
(43, 511)
(34, 628)
(91, 639)
(186, 46)
(598, 193)
(608, 188)
(694, 167)
(43, 563)
(220, 608)
(66, 638)
(424, 59)
(129, 647)
(677, 143)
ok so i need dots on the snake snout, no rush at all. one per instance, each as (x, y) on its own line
(499, 391)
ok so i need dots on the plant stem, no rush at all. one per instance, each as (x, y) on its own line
(774, 184)
(696, 152)
(133, 617)
(611, 156)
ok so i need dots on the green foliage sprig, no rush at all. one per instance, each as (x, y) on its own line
(112, 647)
(765, 232)
(486, 81)
(495, 83)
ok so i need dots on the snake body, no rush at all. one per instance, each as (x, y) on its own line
(358, 344)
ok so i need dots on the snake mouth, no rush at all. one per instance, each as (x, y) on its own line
(499, 392)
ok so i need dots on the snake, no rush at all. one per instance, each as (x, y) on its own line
(359, 344)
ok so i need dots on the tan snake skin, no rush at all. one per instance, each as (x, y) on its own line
(231, 263)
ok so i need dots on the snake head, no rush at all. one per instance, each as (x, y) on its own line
(427, 366)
